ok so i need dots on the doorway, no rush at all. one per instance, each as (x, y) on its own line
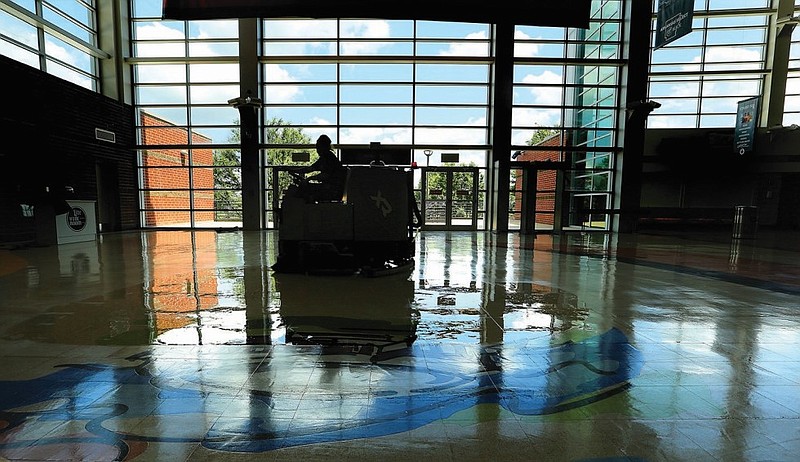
(538, 196)
(450, 197)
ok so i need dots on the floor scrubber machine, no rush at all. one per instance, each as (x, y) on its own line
(369, 230)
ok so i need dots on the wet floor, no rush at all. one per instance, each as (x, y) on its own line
(175, 345)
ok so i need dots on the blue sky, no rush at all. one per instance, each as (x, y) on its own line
(306, 94)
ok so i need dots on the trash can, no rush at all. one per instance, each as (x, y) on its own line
(745, 222)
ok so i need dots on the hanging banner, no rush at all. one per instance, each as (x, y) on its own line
(746, 124)
(673, 20)
(561, 13)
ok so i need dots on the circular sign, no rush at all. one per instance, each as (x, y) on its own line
(76, 219)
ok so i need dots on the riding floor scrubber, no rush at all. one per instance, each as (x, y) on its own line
(369, 230)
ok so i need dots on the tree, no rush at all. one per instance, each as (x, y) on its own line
(540, 135)
(463, 182)
(227, 162)
(228, 179)
(281, 132)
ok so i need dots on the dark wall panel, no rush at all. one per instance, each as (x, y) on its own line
(48, 143)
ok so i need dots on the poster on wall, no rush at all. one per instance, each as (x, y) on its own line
(673, 20)
(746, 123)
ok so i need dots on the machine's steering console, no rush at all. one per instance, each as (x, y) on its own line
(298, 178)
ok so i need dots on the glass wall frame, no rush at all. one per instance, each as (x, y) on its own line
(417, 84)
(699, 78)
(565, 110)
(420, 85)
(189, 159)
(791, 110)
(60, 38)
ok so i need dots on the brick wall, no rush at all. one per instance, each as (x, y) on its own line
(166, 172)
(545, 179)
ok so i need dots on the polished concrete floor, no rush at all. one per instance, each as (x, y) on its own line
(171, 346)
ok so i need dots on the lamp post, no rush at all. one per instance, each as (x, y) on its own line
(428, 153)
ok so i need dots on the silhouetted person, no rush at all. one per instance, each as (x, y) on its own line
(331, 176)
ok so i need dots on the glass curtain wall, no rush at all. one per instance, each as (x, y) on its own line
(184, 73)
(699, 78)
(57, 37)
(566, 87)
(792, 108)
(418, 85)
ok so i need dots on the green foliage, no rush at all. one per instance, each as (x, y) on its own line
(280, 132)
(462, 181)
(227, 162)
(540, 135)
(228, 180)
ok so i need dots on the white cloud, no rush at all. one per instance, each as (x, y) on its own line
(320, 121)
(214, 94)
(301, 28)
(730, 54)
(214, 73)
(158, 31)
(218, 29)
(280, 93)
(533, 117)
(793, 86)
(373, 29)
(679, 89)
(383, 135)
(18, 54)
(525, 49)
(366, 28)
(477, 48)
(671, 122)
(545, 95)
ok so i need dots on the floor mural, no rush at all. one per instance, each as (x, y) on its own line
(296, 396)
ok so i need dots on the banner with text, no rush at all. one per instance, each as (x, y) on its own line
(673, 20)
(746, 123)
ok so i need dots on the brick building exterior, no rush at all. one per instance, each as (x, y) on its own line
(167, 173)
(545, 180)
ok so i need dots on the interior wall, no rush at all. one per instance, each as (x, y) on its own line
(48, 144)
(699, 168)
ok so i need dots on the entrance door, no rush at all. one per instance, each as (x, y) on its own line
(450, 198)
(540, 191)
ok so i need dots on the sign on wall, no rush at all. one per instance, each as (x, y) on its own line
(673, 20)
(746, 124)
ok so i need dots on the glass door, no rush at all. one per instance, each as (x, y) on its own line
(450, 198)
(537, 196)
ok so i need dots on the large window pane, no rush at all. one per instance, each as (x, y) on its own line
(376, 72)
(376, 94)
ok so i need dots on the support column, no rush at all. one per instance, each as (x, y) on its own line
(775, 85)
(530, 177)
(628, 164)
(113, 38)
(500, 128)
(249, 105)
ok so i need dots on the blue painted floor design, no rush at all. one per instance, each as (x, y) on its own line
(555, 379)
(183, 346)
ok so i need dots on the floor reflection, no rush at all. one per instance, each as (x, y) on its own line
(185, 346)
(437, 299)
(371, 316)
